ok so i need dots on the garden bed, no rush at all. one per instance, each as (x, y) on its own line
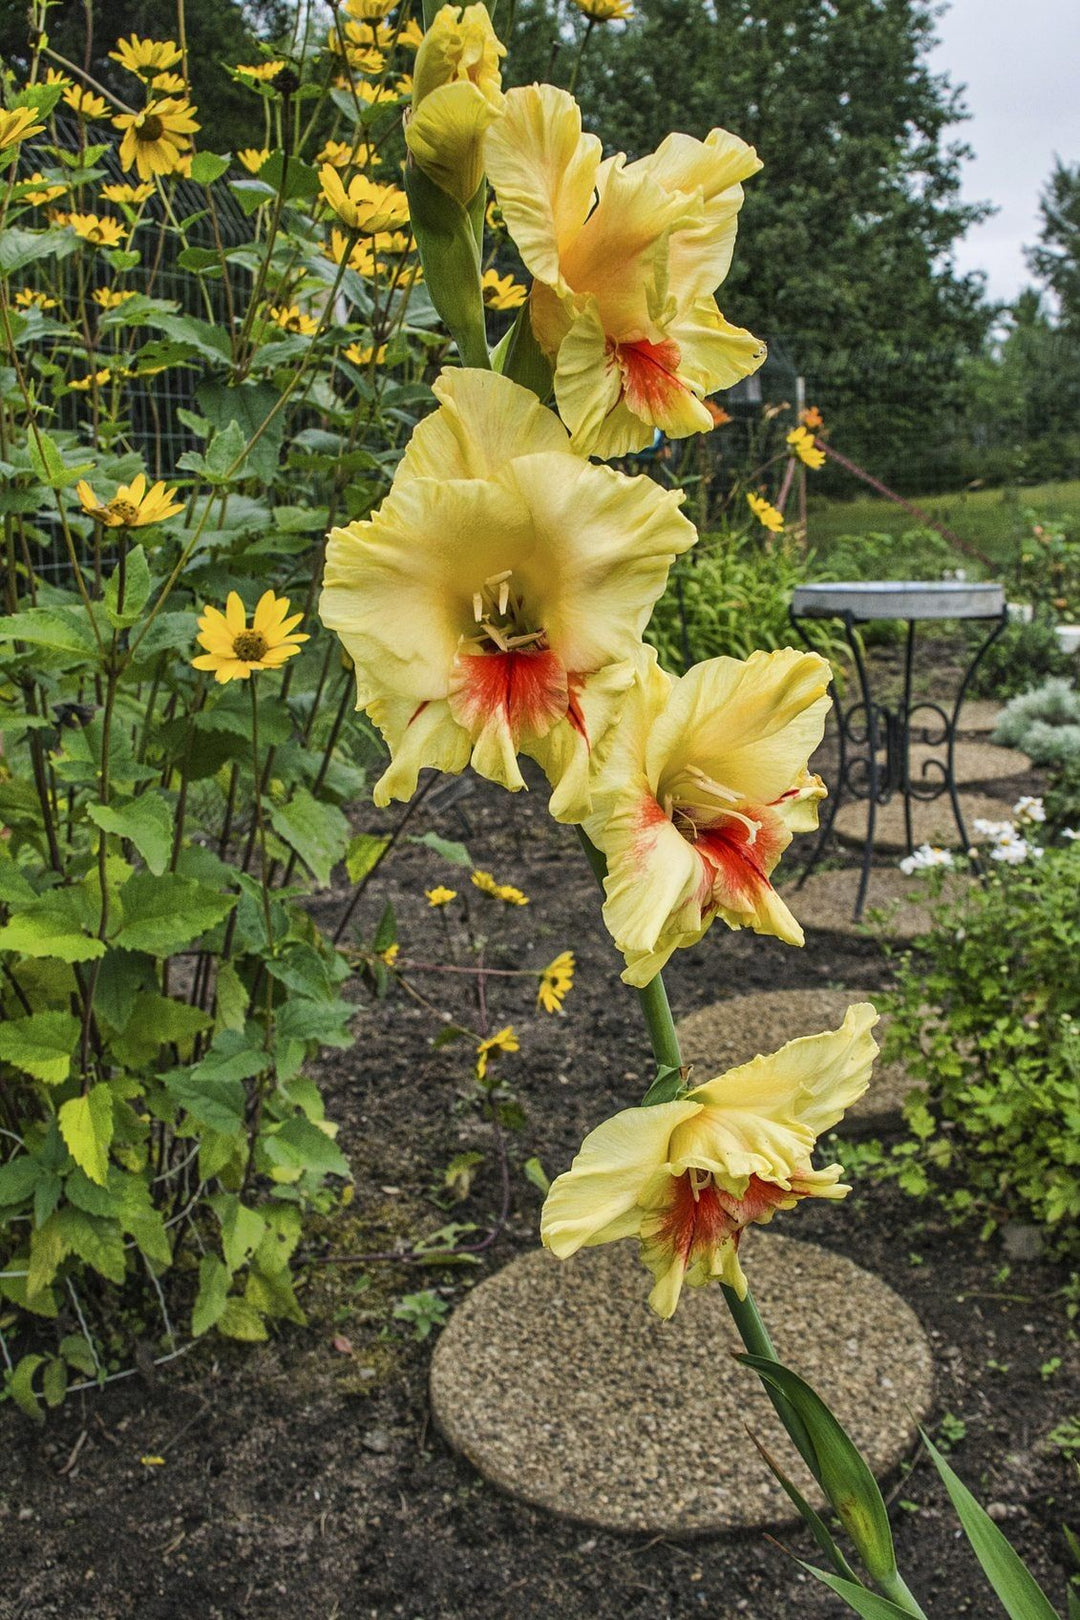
(305, 1477)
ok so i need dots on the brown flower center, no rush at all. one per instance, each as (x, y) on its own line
(250, 646)
(149, 128)
(126, 511)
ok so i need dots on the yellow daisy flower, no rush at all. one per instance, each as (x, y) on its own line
(47, 191)
(390, 955)
(133, 506)
(146, 57)
(802, 443)
(341, 154)
(359, 257)
(366, 206)
(499, 891)
(374, 94)
(253, 158)
(156, 139)
(130, 196)
(262, 71)
(369, 10)
(364, 357)
(54, 76)
(502, 292)
(504, 1041)
(233, 649)
(95, 379)
(403, 86)
(32, 298)
(411, 37)
(16, 125)
(169, 84)
(440, 896)
(100, 230)
(291, 318)
(766, 514)
(556, 981)
(606, 10)
(112, 298)
(84, 103)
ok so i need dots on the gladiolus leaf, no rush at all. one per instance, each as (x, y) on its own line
(819, 1529)
(867, 1604)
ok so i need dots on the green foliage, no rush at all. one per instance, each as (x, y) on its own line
(1045, 724)
(1023, 655)
(996, 1135)
(422, 1312)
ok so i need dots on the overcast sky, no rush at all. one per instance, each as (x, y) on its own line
(1020, 62)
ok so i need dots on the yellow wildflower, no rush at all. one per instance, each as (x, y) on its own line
(55, 76)
(499, 891)
(152, 1462)
(33, 298)
(156, 139)
(556, 981)
(411, 37)
(606, 10)
(766, 513)
(112, 298)
(84, 103)
(504, 1041)
(440, 896)
(688, 1177)
(359, 257)
(100, 230)
(343, 154)
(456, 96)
(253, 157)
(169, 84)
(292, 318)
(502, 292)
(262, 71)
(390, 955)
(365, 357)
(47, 191)
(802, 443)
(146, 57)
(17, 125)
(95, 379)
(369, 10)
(366, 206)
(233, 649)
(133, 506)
(374, 94)
(131, 196)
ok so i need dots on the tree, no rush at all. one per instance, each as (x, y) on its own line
(1056, 260)
(846, 236)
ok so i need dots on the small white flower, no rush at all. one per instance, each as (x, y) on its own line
(1029, 808)
(1070, 833)
(926, 856)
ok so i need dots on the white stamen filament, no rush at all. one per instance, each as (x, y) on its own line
(711, 790)
(698, 1180)
(496, 600)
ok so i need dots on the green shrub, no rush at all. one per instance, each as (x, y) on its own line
(915, 554)
(997, 1132)
(1021, 657)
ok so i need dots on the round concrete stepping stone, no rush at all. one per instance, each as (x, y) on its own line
(932, 821)
(558, 1383)
(825, 902)
(731, 1032)
(975, 761)
(979, 716)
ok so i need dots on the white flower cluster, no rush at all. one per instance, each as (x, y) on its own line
(1007, 838)
(926, 856)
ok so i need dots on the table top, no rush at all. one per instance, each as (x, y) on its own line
(900, 599)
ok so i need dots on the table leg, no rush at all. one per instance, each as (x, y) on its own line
(950, 758)
(905, 742)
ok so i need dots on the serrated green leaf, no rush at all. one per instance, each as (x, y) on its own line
(136, 575)
(242, 1229)
(41, 1045)
(61, 629)
(317, 832)
(299, 1145)
(363, 854)
(86, 1124)
(48, 464)
(147, 822)
(1021, 1595)
(54, 1382)
(240, 1320)
(161, 915)
(18, 1178)
(231, 999)
(50, 929)
(386, 932)
(272, 1294)
(211, 1296)
(95, 1239)
(283, 1228)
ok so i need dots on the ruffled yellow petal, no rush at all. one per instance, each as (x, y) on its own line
(485, 422)
(596, 1200)
(445, 134)
(417, 736)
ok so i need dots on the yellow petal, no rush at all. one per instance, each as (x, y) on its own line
(417, 737)
(235, 613)
(596, 1199)
(713, 353)
(700, 252)
(484, 422)
(445, 134)
(543, 169)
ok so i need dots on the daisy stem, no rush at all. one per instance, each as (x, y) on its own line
(259, 823)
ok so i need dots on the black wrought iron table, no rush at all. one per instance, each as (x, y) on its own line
(867, 728)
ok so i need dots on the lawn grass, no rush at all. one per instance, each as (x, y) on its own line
(992, 520)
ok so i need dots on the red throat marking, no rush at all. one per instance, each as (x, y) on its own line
(528, 688)
(649, 376)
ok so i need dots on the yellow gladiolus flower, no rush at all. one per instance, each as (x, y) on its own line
(112, 298)
(132, 196)
(440, 896)
(705, 782)
(606, 10)
(84, 103)
(157, 139)
(625, 259)
(146, 57)
(802, 443)
(234, 650)
(502, 292)
(17, 125)
(504, 1041)
(766, 513)
(33, 298)
(493, 604)
(456, 93)
(291, 318)
(133, 506)
(100, 230)
(47, 190)
(365, 206)
(253, 157)
(688, 1177)
(556, 982)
